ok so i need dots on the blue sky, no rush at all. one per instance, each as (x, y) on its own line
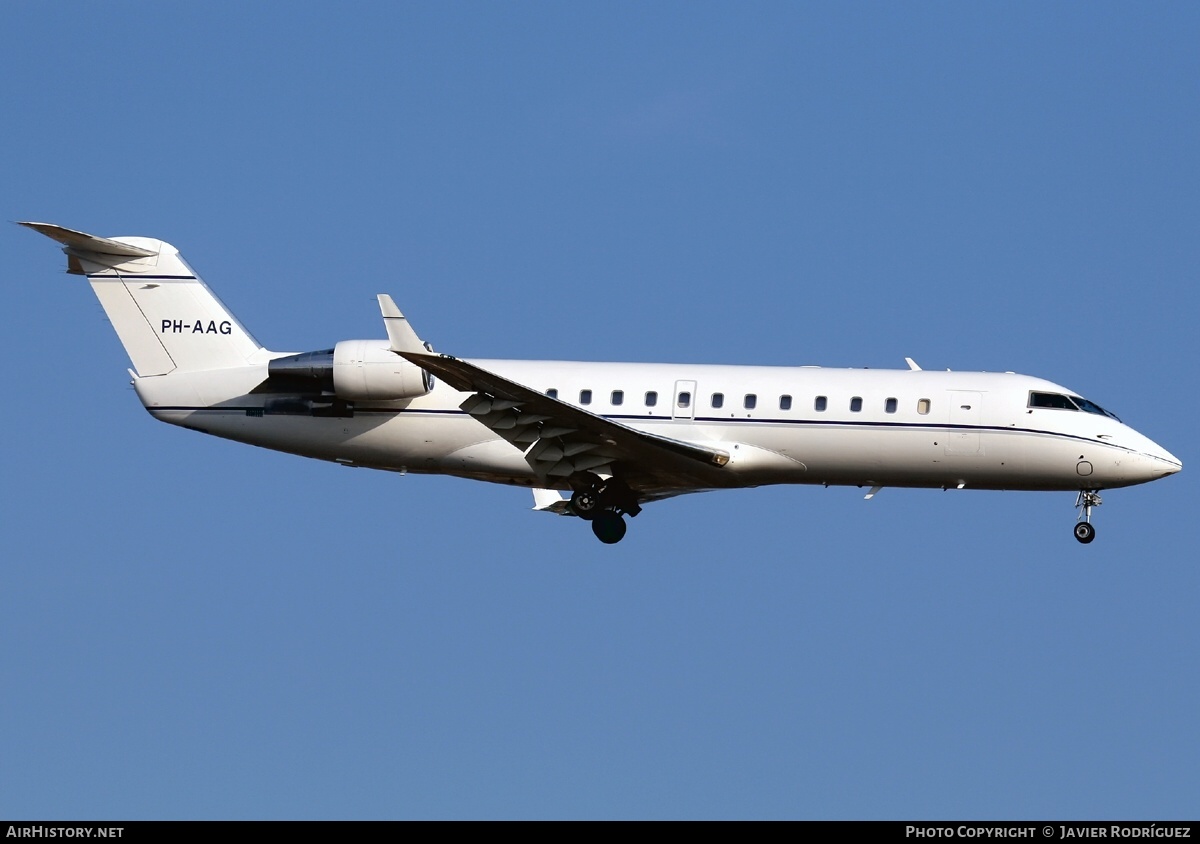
(198, 629)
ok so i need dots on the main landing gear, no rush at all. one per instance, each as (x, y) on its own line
(603, 502)
(1087, 499)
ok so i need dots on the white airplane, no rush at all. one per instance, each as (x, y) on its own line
(613, 435)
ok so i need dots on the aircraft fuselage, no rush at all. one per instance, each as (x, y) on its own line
(806, 425)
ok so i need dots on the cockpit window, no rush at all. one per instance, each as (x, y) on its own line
(1092, 407)
(1062, 402)
(1051, 400)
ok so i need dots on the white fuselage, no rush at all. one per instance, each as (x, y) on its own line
(617, 435)
(807, 425)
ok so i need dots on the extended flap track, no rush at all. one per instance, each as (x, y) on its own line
(553, 450)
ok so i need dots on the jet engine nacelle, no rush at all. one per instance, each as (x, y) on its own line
(367, 370)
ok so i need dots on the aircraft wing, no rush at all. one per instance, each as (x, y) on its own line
(560, 440)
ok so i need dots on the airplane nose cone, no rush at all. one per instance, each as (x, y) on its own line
(1162, 462)
(1173, 464)
(1145, 460)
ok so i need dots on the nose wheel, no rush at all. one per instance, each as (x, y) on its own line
(1087, 499)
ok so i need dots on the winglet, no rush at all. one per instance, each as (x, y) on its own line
(400, 332)
(912, 364)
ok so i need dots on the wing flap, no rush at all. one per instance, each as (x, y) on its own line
(560, 440)
(549, 501)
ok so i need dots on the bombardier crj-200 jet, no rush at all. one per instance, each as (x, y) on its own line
(614, 436)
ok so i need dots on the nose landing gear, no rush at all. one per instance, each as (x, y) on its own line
(1087, 499)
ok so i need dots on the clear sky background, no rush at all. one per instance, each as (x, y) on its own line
(192, 628)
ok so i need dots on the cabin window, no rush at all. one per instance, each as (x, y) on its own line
(618, 397)
(820, 403)
(718, 399)
(552, 393)
(923, 407)
(684, 399)
(585, 396)
(890, 405)
(856, 404)
(785, 402)
(750, 402)
(651, 398)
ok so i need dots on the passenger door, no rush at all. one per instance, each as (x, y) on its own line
(966, 413)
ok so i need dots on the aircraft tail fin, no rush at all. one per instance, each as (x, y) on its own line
(165, 315)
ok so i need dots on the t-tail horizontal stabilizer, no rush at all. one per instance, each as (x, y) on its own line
(167, 318)
(82, 242)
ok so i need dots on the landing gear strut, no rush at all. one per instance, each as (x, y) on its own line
(1087, 499)
(603, 502)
